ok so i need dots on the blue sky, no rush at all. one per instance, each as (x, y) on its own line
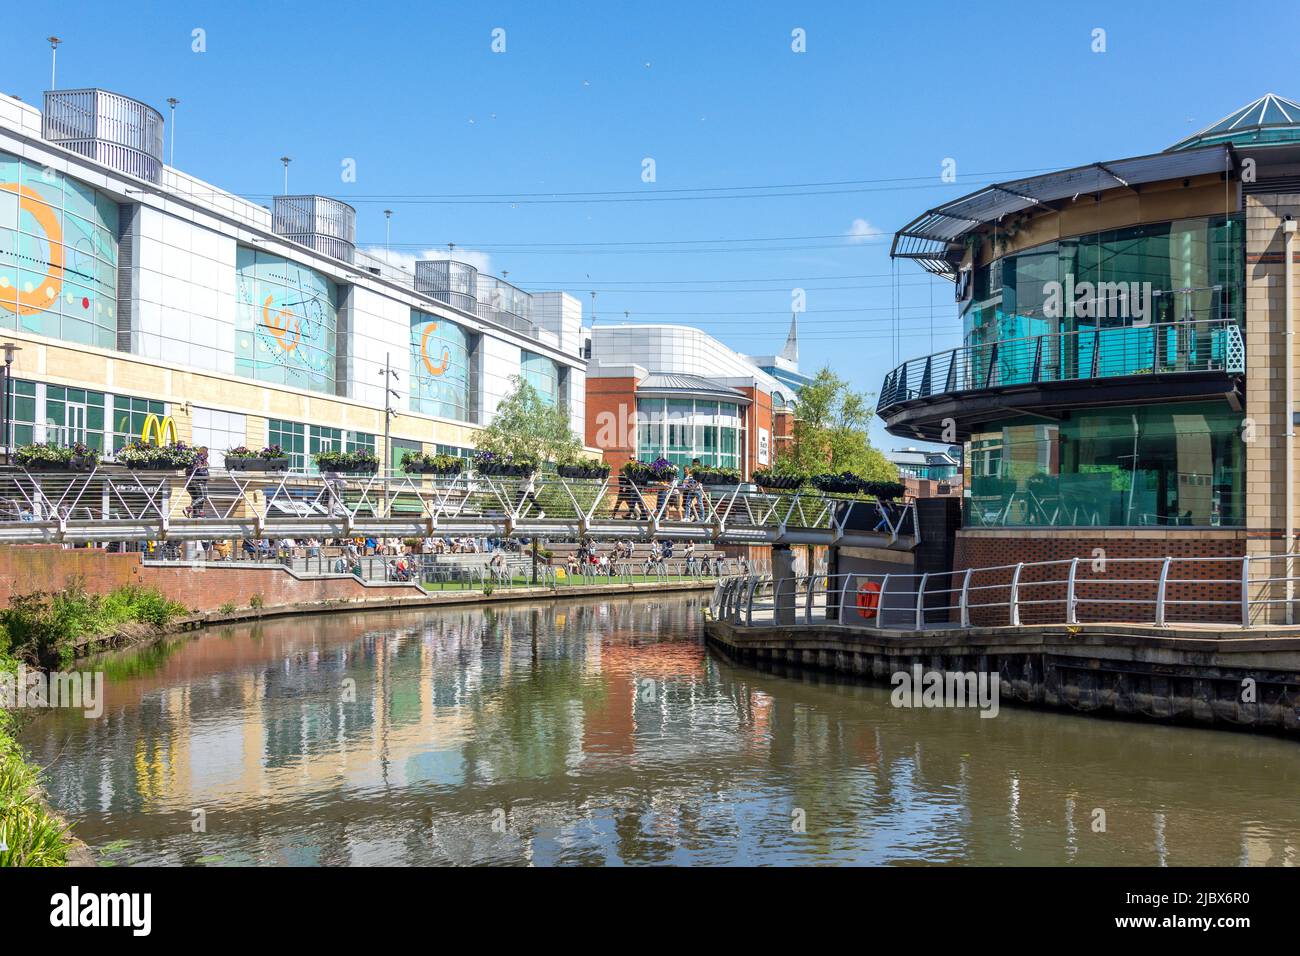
(451, 135)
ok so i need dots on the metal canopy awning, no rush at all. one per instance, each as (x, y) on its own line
(928, 238)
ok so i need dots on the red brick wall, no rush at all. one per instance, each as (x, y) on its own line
(974, 550)
(758, 415)
(611, 418)
(45, 567)
(25, 568)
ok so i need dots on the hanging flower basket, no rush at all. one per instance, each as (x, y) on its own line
(359, 462)
(768, 480)
(491, 465)
(48, 456)
(418, 463)
(588, 469)
(270, 458)
(659, 471)
(178, 456)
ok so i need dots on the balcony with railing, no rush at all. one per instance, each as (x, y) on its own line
(1183, 360)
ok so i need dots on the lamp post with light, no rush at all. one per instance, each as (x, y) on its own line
(11, 350)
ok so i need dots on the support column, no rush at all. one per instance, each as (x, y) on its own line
(785, 590)
(1268, 418)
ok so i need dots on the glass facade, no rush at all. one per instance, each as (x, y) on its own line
(301, 441)
(681, 429)
(440, 367)
(286, 320)
(542, 374)
(1168, 465)
(58, 255)
(65, 415)
(1188, 270)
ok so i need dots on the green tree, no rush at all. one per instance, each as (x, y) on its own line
(830, 431)
(525, 426)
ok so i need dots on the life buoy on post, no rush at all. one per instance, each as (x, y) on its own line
(868, 599)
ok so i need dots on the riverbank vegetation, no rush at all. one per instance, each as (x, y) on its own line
(30, 835)
(45, 628)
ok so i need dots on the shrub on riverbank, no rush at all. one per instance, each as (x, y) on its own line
(44, 628)
(30, 835)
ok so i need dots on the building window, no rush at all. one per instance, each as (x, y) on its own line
(1152, 466)
(58, 255)
(292, 439)
(129, 415)
(22, 412)
(682, 430)
(218, 432)
(542, 374)
(1185, 271)
(286, 322)
(440, 367)
(302, 442)
(76, 415)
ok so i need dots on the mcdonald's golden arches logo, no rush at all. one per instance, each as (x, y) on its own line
(162, 429)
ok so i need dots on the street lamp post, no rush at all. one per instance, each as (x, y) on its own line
(390, 375)
(172, 102)
(5, 427)
(286, 160)
(54, 58)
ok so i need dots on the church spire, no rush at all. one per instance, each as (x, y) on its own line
(791, 350)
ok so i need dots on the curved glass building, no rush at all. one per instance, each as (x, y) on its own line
(1121, 379)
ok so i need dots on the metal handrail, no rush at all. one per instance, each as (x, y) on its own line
(116, 504)
(1003, 595)
(1187, 345)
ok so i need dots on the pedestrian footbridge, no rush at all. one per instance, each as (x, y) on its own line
(117, 504)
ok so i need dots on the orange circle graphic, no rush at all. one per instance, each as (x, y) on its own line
(279, 326)
(424, 352)
(47, 290)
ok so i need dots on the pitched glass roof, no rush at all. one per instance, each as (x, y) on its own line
(1269, 119)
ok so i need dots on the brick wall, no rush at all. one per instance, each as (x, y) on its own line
(1266, 390)
(1097, 580)
(41, 567)
(611, 418)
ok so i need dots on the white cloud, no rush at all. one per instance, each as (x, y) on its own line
(406, 260)
(861, 231)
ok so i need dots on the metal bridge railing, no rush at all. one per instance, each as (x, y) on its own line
(1175, 590)
(116, 504)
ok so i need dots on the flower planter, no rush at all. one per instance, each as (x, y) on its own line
(582, 471)
(352, 470)
(257, 464)
(77, 463)
(422, 469)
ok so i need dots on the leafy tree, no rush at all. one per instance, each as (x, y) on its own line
(830, 432)
(525, 426)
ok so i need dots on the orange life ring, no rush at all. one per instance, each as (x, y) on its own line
(868, 599)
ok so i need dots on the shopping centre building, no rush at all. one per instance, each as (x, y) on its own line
(677, 392)
(133, 289)
(1124, 381)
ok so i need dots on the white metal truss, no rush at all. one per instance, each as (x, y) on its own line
(117, 504)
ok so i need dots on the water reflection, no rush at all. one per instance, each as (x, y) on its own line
(605, 733)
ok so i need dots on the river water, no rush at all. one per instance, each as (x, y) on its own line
(605, 732)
